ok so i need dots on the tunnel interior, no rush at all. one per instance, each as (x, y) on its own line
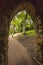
(6, 14)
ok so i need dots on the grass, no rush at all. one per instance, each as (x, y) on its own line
(30, 32)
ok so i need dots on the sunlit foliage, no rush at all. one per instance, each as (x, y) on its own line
(20, 21)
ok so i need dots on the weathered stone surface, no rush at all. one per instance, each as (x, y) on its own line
(39, 39)
(8, 8)
(3, 40)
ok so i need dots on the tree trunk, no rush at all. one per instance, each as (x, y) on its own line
(3, 40)
(24, 24)
(24, 28)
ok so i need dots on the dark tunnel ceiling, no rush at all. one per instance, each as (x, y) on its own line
(38, 4)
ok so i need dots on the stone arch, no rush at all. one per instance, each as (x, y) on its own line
(25, 6)
(8, 15)
(29, 7)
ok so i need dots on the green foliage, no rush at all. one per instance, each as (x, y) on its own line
(31, 33)
(18, 21)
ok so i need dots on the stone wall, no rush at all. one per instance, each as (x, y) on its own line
(3, 40)
(8, 8)
(39, 39)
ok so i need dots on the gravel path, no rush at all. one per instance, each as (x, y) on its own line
(18, 54)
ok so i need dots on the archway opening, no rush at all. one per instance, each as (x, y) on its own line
(22, 29)
(6, 18)
(22, 23)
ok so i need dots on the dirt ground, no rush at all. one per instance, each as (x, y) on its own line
(21, 50)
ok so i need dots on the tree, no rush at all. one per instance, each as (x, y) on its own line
(16, 22)
(20, 22)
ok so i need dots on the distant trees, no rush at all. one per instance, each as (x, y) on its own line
(21, 22)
